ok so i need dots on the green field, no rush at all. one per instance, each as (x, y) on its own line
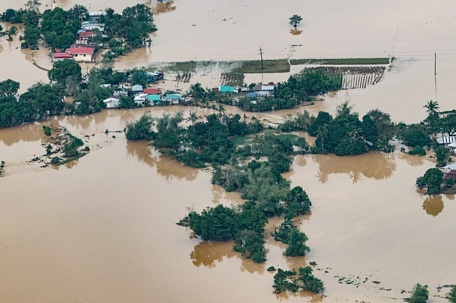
(342, 61)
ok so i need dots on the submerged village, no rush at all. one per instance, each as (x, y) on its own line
(250, 140)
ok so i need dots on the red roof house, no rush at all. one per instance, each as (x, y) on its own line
(81, 54)
(151, 91)
(58, 55)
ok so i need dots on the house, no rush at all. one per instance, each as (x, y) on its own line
(227, 89)
(81, 54)
(84, 37)
(137, 89)
(151, 91)
(96, 16)
(111, 102)
(442, 139)
(155, 76)
(91, 25)
(448, 168)
(173, 98)
(153, 99)
(59, 56)
(140, 99)
(450, 175)
(452, 147)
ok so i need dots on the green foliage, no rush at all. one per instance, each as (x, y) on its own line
(292, 281)
(432, 180)
(295, 20)
(442, 155)
(63, 69)
(133, 25)
(452, 294)
(47, 130)
(415, 135)
(8, 88)
(141, 129)
(251, 245)
(218, 223)
(31, 36)
(418, 150)
(323, 119)
(449, 182)
(420, 294)
(296, 244)
(297, 201)
(309, 282)
(70, 149)
(284, 280)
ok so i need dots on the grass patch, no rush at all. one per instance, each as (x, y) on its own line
(187, 66)
(342, 61)
(269, 66)
(241, 140)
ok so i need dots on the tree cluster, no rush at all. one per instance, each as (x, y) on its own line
(290, 280)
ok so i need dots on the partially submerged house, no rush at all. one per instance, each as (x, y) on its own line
(111, 102)
(82, 54)
(173, 98)
(227, 89)
(58, 55)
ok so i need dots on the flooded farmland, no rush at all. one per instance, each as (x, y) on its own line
(102, 229)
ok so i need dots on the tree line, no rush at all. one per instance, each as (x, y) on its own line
(58, 28)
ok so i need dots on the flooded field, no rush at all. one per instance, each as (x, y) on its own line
(102, 229)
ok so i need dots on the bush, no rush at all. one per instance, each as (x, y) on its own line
(417, 150)
(47, 130)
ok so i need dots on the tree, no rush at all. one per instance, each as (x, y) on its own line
(442, 154)
(31, 36)
(420, 294)
(9, 88)
(296, 244)
(431, 107)
(64, 69)
(295, 20)
(432, 179)
(452, 294)
(141, 129)
(308, 281)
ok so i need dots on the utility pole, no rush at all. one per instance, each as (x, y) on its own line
(435, 64)
(262, 66)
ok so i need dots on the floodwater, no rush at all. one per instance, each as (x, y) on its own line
(102, 229)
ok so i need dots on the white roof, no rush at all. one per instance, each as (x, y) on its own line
(452, 144)
(111, 100)
(449, 166)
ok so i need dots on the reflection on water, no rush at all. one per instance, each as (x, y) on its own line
(208, 253)
(28, 132)
(433, 205)
(372, 165)
(286, 296)
(166, 167)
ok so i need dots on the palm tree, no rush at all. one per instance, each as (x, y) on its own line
(344, 109)
(322, 134)
(431, 107)
(354, 134)
(295, 20)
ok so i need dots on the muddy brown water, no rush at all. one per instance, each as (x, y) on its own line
(102, 229)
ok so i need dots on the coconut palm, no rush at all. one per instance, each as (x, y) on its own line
(431, 107)
(322, 134)
(295, 20)
(344, 109)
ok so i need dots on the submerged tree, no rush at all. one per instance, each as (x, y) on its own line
(420, 294)
(295, 20)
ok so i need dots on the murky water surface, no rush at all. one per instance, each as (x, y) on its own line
(102, 229)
